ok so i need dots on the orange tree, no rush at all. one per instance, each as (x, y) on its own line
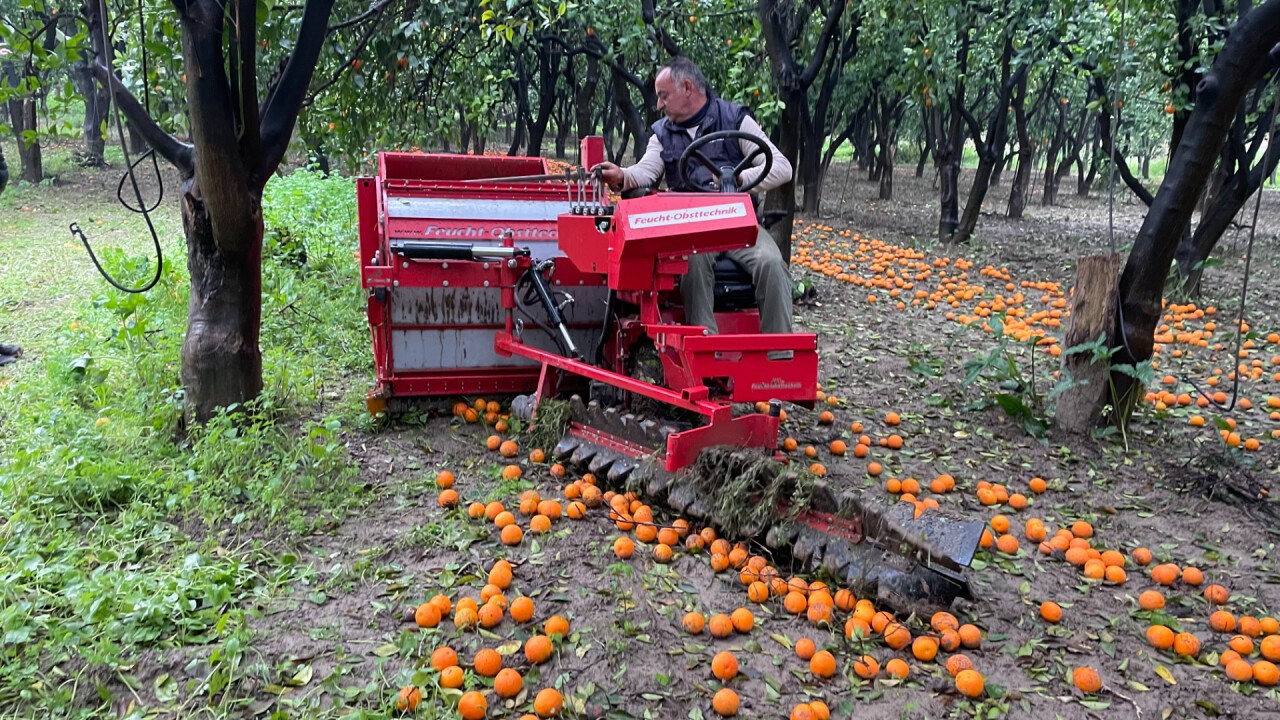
(1244, 66)
(241, 109)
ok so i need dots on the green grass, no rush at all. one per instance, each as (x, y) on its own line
(121, 535)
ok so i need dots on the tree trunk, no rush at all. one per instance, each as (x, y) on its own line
(888, 144)
(4, 171)
(1084, 180)
(1051, 171)
(548, 74)
(1020, 191)
(783, 198)
(1195, 248)
(221, 361)
(926, 140)
(1241, 62)
(95, 114)
(584, 97)
(22, 117)
(1093, 308)
(991, 151)
(947, 157)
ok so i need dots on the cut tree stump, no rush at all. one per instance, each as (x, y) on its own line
(1093, 315)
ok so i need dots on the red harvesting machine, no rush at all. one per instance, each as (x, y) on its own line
(500, 276)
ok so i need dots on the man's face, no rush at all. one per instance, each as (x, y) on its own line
(678, 100)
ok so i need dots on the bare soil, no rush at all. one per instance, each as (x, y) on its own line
(1162, 485)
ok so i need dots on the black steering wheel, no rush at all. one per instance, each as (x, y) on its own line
(728, 176)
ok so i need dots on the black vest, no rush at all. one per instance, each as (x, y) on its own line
(721, 115)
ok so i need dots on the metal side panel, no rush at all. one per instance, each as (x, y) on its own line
(483, 306)
(447, 306)
(445, 349)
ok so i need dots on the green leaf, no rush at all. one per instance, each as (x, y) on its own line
(1163, 672)
(302, 677)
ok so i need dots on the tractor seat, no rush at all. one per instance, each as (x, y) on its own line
(733, 288)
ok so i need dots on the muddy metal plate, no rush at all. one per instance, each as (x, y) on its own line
(954, 538)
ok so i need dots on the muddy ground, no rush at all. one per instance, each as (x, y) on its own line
(627, 656)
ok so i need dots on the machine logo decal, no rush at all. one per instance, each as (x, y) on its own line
(688, 215)
(776, 384)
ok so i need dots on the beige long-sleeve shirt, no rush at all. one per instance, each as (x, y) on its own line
(650, 167)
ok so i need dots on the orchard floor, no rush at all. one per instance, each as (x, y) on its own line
(627, 655)
(340, 640)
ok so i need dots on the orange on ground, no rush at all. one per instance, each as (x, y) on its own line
(720, 626)
(694, 623)
(969, 683)
(725, 702)
(1160, 637)
(958, 663)
(866, 667)
(408, 698)
(1186, 644)
(537, 649)
(724, 666)
(822, 664)
(1051, 611)
(556, 625)
(548, 703)
(508, 683)
(805, 648)
(473, 706)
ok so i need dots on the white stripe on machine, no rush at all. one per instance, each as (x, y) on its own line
(471, 209)
(687, 215)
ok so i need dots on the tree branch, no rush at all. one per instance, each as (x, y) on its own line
(285, 98)
(820, 52)
(667, 42)
(247, 39)
(1104, 131)
(373, 10)
(178, 153)
(376, 12)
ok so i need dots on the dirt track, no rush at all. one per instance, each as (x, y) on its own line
(627, 656)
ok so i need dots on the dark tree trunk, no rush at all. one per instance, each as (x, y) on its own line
(1086, 174)
(1049, 195)
(548, 73)
(95, 114)
(4, 171)
(237, 143)
(221, 360)
(780, 28)
(989, 151)
(949, 146)
(630, 114)
(1195, 247)
(1020, 191)
(22, 118)
(1241, 62)
(926, 144)
(1109, 144)
(861, 141)
(584, 99)
(887, 139)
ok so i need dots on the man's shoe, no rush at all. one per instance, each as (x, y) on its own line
(13, 350)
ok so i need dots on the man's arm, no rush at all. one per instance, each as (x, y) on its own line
(648, 170)
(779, 175)
(645, 172)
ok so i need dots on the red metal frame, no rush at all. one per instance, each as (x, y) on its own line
(639, 252)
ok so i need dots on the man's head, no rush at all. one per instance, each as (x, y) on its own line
(681, 89)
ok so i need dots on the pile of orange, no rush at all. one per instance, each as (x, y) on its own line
(908, 278)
